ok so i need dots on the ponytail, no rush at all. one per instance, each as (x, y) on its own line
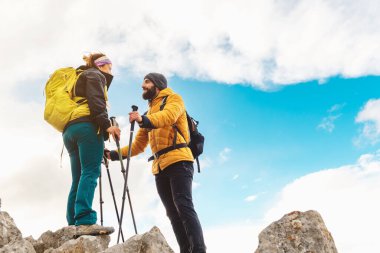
(91, 58)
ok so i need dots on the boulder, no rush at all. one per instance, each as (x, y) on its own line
(150, 242)
(84, 244)
(62, 240)
(8, 230)
(19, 246)
(53, 240)
(297, 232)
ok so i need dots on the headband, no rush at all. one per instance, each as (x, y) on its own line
(102, 61)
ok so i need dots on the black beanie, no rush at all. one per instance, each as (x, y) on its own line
(158, 80)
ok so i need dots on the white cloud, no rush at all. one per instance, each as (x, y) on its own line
(196, 185)
(204, 162)
(235, 177)
(250, 198)
(328, 122)
(345, 197)
(256, 42)
(223, 155)
(370, 117)
(336, 107)
(241, 237)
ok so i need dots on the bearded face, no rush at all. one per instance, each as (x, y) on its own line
(149, 90)
(149, 93)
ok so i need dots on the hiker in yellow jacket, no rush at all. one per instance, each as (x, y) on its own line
(172, 159)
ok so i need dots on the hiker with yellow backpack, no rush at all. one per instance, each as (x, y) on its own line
(76, 105)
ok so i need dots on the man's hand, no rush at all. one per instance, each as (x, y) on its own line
(135, 116)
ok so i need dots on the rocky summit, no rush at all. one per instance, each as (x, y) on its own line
(297, 232)
(62, 241)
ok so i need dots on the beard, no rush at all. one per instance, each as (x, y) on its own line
(149, 94)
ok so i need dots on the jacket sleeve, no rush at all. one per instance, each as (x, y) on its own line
(173, 109)
(139, 144)
(95, 86)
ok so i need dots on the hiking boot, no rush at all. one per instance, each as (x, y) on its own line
(93, 230)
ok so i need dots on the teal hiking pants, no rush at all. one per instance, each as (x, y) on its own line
(85, 148)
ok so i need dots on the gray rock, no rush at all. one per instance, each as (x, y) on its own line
(297, 232)
(8, 230)
(61, 241)
(84, 244)
(51, 239)
(38, 246)
(54, 240)
(150, 242)
(19, 246)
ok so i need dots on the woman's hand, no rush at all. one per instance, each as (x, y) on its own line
(115, 132)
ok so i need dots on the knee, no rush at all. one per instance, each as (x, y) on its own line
(184, 205)
(172, 213)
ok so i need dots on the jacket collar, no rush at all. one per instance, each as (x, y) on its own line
(108, 77)
(163, 93)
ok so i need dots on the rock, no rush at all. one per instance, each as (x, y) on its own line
(38, 246)
(58, 238)
(84, 244)
(150, 242)
(54, 240)
(51, 239)
(19, 246)
(62, 241)
(8, 230)
(297, 232)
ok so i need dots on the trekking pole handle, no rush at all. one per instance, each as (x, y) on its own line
(114, 123)
(134, 109)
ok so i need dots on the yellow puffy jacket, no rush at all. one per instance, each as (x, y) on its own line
(162, 135)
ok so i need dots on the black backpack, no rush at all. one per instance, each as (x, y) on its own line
(196, 138)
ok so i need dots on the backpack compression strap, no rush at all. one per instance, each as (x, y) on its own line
(166, 150)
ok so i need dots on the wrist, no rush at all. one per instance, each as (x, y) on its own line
(114, 155)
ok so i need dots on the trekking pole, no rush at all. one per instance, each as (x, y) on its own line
(101, 197)
(126, 189)
(105, 161)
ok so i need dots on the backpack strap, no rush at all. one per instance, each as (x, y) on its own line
(78, 72)
(162, 106)
(163, 103)
(199, 167)
(175, 145)
(166, 150)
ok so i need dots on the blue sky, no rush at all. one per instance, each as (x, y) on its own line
(286, 92)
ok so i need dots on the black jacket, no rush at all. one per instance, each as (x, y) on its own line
(90, 85)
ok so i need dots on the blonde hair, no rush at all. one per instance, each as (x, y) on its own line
(90, 59)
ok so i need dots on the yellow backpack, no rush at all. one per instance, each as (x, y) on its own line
(61, 104)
